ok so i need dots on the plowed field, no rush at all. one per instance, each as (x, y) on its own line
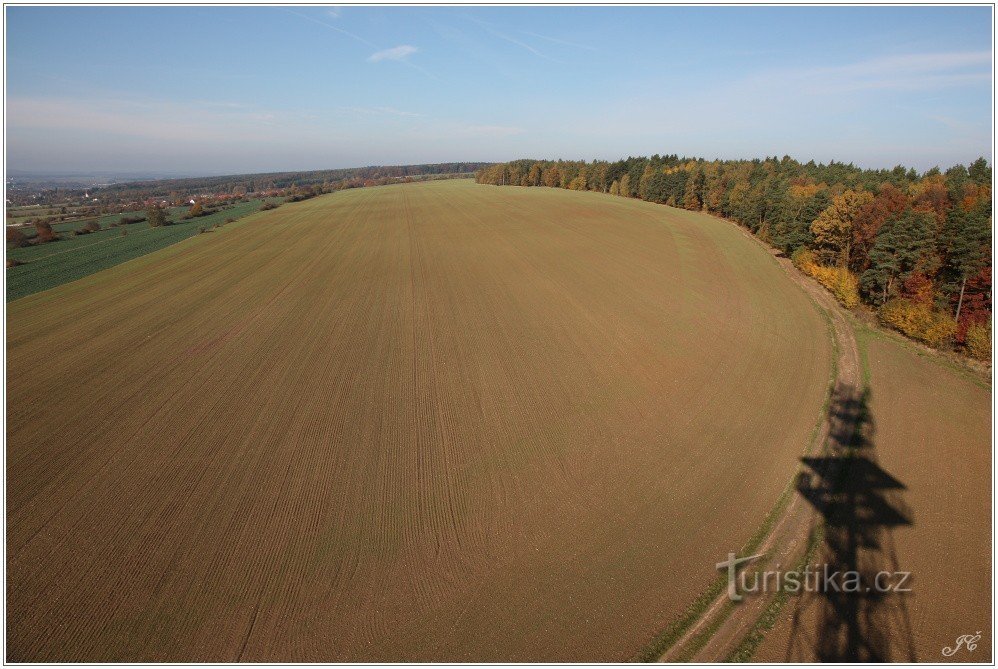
(925, 510)
(433, 421)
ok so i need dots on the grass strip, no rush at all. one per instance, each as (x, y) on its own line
(746, 649)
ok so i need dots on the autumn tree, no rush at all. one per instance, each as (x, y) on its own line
(598, 178)
(45, 233)
(625, 186)
(696, 184)
(552, 177)
(155, 216)
(534, 175)
(832, 229)
(195, 211)
(869, 218)
(15, 237)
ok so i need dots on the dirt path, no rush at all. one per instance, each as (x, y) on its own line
(787, 541)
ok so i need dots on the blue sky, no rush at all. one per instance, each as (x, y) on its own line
(246, 89)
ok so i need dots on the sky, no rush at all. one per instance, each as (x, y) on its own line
(217, 90)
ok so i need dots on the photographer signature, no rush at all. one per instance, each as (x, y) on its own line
(968, 640)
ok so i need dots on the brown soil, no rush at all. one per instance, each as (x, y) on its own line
(422, 422)
(928, 514)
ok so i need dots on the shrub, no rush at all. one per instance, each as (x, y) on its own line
(16, 238)
(195, 211)
(978, 342)
(268, 205)
(128, 220)
(13, 262)
(156, 217)
(90, 226)
(842, 283)
(918, 321)
(803, 259)
(45, 232)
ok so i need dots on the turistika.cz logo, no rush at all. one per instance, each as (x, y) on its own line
(813, 578)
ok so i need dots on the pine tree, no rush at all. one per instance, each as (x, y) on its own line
(904, 246)
(965, 240)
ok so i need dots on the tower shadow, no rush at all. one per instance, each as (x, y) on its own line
(859, 506)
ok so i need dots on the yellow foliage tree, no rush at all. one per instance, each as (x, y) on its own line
(842, 283)
(978, 342)
(625, 185)
(919, 321)
(832, 229)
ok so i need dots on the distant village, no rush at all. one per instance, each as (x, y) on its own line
(29, 204)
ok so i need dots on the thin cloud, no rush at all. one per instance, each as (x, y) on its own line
(523, 45)
(332, 27)
(489, 27)
(914, 71)
(400, 52)
(796, 106)
(333, 12)
(387, 54)
(558, 40)
(955, 124)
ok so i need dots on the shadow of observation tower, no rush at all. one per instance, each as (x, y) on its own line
(859, 505)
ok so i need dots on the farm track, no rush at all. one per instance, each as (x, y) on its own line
(915, 422)
(926, 434)
(787, 540)
(422, 422)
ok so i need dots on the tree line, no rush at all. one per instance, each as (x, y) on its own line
(915, 247)
(241, 184)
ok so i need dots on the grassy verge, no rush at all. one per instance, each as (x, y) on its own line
(745, 650)
(951, 362)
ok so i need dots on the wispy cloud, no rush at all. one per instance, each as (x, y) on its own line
(332, 27)
(836, 109)
(914, 71)
(492, 29)
(400, 52)
(558, 40)
(523, 45)
(333, 12)
(956, 124)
